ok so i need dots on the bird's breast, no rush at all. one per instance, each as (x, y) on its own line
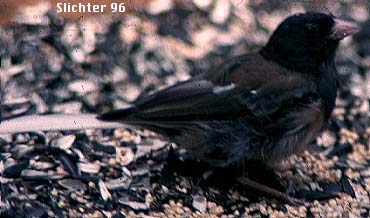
(327, 88)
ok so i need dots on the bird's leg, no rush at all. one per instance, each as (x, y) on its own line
(270, 191)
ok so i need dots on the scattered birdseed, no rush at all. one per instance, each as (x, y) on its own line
(91, 65)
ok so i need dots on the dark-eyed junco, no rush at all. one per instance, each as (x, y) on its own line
(262, 106)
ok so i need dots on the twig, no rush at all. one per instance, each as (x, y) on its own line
(55, 122)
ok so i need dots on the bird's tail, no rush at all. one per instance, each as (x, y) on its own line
(117, 115)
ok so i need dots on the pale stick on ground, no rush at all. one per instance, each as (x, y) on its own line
(55, 122)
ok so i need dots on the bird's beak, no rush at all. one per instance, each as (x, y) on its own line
(342, 29)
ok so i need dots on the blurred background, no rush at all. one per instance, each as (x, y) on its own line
(153, 43)
(76, 63)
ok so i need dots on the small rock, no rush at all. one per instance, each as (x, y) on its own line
(327, 139)
(104, 191)
(81, 156)
(64, 143)
(336, 175)
(159, 6)
(68, 108)
(2, 167)
(22, 151)
(134, 204)
(72, 184)
(347, 187)
(39, 175)
(69, 165)
(88, 167)
(78, 197)
(200, 203)
(142, 150)
(82, 86)
(144, 170)
(365, 173)
(119, 183)
(78, 55)
(119, 74)
(131, 92)
(203, 4)
(41, 165)
(13, 168)
(125, 155)
(221, 11)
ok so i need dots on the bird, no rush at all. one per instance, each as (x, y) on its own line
(263, 106)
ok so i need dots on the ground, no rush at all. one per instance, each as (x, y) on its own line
(53, 65)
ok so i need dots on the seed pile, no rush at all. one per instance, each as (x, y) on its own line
(50, 65)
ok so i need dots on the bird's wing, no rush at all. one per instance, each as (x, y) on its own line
(240, 88)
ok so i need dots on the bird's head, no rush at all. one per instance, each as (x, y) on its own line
(303, 42)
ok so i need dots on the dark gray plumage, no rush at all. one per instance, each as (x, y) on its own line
(264, 106)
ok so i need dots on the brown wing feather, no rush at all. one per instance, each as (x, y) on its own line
(251, 94)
